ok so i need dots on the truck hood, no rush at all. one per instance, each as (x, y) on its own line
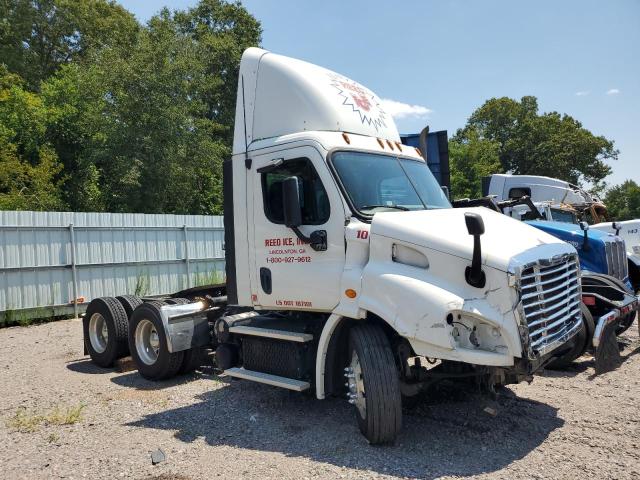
(445, 230)
(568, 231)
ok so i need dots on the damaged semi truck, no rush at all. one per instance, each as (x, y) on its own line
(347, 271)
(609, 304)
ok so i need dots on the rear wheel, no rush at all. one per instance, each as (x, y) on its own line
(194, 358)
(374, 386)
(129, 303)
(105, 331)
(148, 344)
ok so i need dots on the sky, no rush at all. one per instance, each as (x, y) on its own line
(435, 62)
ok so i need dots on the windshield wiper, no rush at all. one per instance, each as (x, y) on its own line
(397, 207)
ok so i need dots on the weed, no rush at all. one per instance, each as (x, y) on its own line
(65, 416)
(142, 285)
(209, 278)
(25, 421)
(53, 438)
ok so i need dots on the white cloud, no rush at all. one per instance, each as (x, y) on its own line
(613, 91)
(404, 110)
(582, 93)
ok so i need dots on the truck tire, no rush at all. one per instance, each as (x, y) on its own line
(105, 331)
(374, 384)
(129, 303)
(582, 342)
(626, 321)
(148, 344)
(194, 358)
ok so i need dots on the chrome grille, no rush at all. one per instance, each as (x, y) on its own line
(616, 258)
(550, 299)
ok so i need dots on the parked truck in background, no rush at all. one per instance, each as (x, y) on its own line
(347, 271)
(564, 195)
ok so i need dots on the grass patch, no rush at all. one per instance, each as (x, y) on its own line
(208, 278)
(30, 421)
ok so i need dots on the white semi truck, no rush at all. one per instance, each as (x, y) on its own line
(347, 271)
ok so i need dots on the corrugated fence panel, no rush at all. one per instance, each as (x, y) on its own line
(115, 254)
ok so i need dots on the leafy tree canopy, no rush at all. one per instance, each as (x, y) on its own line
(37, 37)
(139, 117)
(530, 143)
(29, 167)
(623, 201)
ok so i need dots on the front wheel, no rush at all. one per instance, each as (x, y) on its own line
(374, 386)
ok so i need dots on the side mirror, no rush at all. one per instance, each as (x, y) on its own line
(474, 274)
(584, 226)
(616, 226)
(292, 210)
(475, 224)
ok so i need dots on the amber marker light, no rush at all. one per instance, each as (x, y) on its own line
(350, 292)
(381, 143)
(390, 144)
(346, 138)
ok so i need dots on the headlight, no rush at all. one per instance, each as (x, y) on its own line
(472, 332)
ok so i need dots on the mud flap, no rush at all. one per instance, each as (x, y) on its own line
(607, 353)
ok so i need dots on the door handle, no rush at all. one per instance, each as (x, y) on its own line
(265, 280)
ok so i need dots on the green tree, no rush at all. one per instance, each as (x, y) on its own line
(29, 167)
(38, 36)
(469, 162)
(623, 201)
(147, 131)
(548, 144)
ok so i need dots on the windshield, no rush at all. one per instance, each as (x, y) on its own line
(383, 183)
(563, 216)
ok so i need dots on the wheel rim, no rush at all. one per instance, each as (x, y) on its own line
(98, 333)
(147, 342)
(355, 383)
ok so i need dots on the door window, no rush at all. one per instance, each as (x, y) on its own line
(313, 197)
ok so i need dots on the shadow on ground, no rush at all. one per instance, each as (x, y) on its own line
(448, 434)
(86, 366)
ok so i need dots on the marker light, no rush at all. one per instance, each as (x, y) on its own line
(350, 292)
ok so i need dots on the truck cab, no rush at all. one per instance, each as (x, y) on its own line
(347, 271)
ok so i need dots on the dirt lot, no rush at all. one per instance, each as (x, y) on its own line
(564, 425)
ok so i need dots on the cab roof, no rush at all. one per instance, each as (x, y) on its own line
(278, 95)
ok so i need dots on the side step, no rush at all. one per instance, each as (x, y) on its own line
(271, 333)
(266, 378)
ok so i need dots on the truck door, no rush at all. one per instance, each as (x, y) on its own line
(288, 273)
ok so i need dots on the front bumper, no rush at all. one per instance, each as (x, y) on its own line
(628, 304)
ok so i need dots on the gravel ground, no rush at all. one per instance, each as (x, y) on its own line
(563, 425)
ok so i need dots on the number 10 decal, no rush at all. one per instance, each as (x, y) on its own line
(362, 234)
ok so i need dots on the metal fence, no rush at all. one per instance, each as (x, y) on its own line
(54, 263)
